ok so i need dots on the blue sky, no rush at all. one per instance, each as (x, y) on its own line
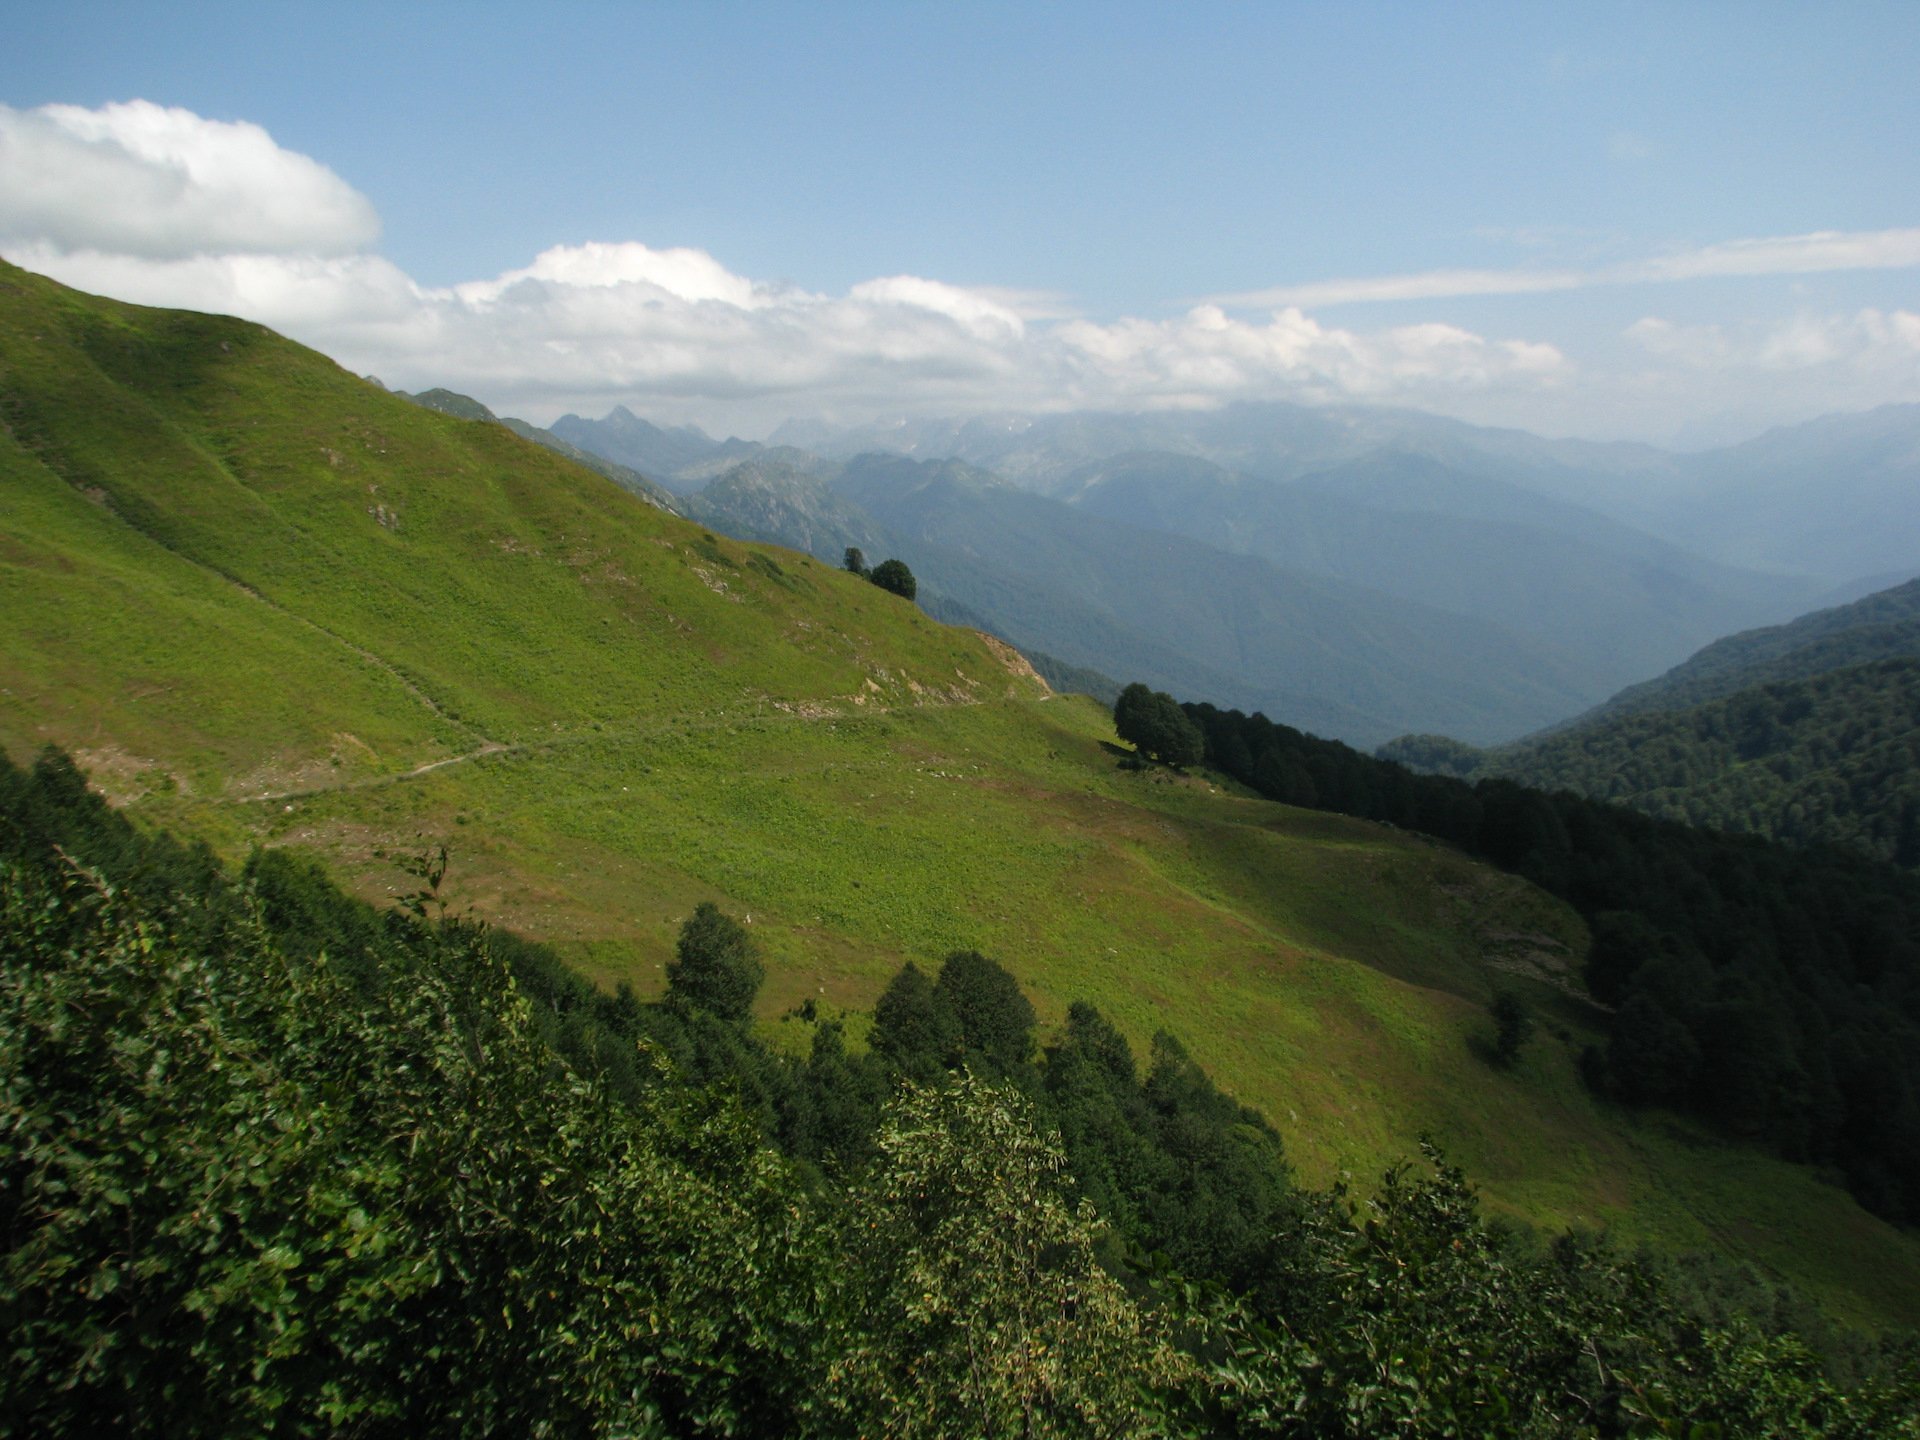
(1582, 221)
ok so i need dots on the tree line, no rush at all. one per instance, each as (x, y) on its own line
(1827, 760)
(1773, 992)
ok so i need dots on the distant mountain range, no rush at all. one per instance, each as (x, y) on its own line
(667, 455)
(1357, 573)
(1831, 499)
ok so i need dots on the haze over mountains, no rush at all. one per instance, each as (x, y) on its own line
(1359, 573)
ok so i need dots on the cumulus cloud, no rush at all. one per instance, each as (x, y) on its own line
(678, 274)
(1713, 383)
(1207, 356)
(163, 207)
(1821, 251)
(142, 180)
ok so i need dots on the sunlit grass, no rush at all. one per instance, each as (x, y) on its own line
(256, 597)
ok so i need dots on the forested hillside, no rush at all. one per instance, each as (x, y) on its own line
(1830, 760)
(281, 1164)
(1880, 626)
(1774, 992)
(1801, 732)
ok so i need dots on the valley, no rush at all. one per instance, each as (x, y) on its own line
(267, 603)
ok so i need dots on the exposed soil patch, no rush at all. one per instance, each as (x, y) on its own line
(123, 777)
(1017, 664)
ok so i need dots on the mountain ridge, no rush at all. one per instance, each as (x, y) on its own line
(237, 572)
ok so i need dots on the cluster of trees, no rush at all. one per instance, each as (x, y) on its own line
(272, 1162)
(1774, 992)
(1154, 724)
(893, 576)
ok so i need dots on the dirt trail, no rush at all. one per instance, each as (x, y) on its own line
(495, 747)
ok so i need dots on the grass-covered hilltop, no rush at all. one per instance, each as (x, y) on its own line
(529, 963)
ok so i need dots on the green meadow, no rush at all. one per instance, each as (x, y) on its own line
(266, 603)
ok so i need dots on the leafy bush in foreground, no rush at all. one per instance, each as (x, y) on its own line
(248, 1189)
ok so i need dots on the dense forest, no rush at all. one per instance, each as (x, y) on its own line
(1882, 626)
(1800, 732)
(278, 1163)
(1772, 991)
(1824, 761)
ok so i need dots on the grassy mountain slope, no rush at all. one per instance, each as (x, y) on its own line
(270, 604)
(465, 407)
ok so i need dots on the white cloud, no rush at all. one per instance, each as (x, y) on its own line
(980, 315)
(1207, 356)
(1824, 250)
(139, 179)
(1700, 346)
(675, 332)
(1869, 342)
(678, 274)
(165, 208)
(1821, 251)
(1714, 383)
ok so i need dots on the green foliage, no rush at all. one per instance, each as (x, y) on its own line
(1433, 754)
(991, 1019)
(1771, 991)
(854, 562)
(1154, 724)
(716, 966)
(244, 1189)
(911, 1028)
(989, 1312)
(1797, 732)
(1512, 1027)
(241, 1198)
(1421, 1318)
(895, 578)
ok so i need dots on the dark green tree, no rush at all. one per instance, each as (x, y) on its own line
(716, 967)
(911, 1028)
(894, 577)
(1155, 725)
(855, 561)
(1512, 1027)
(994, 1020)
